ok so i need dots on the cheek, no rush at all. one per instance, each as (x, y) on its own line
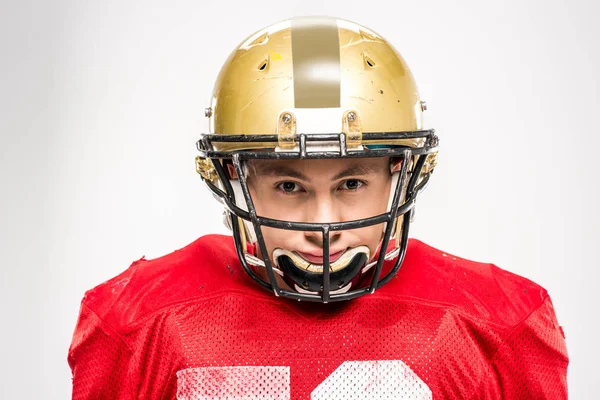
(384, 197)
(370, 236)
(365, 206)
(261, 199)
(270, 204)
(373, 237)
(279, 238)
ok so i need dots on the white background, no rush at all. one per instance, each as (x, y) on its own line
(102, 102)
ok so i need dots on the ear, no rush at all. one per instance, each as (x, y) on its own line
(395, 165)
(232, 171)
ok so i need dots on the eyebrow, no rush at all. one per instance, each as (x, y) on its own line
(357, 170)
(273, 170)
(279, 171)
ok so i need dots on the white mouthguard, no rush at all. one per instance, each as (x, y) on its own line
(337, 265)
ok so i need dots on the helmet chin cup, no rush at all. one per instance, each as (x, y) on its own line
(297, 272)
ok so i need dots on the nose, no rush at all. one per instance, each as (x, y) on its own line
(316, 238)
(323, 210)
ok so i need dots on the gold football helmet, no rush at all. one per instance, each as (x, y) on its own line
(306, 88)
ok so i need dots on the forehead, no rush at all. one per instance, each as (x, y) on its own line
(321, 168)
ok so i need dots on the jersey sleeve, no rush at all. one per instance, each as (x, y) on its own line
(99, 359)
(532, 361)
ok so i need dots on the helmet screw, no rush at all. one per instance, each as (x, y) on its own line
(286, 118)
(351, 116)
(208, 112)
(423, 106)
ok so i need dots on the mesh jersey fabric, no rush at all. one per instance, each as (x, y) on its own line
(192, 325)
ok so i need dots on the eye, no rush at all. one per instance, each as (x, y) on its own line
(289, 187)
(351, 184)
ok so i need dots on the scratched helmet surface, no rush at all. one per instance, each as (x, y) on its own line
(315, 87)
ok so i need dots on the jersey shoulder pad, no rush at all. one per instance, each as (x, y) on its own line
(482, 290)
(200, 269)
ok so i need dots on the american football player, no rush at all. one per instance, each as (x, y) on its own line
(317, 151)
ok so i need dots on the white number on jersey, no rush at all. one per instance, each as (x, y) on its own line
(353, 380)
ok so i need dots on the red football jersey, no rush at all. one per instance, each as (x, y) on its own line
(192, 325)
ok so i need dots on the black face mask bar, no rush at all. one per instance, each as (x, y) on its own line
(413, 188)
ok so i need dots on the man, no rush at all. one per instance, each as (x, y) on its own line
(317, 152)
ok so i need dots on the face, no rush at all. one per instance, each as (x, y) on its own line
(328, 190)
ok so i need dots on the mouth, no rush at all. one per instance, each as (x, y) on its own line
(319, 259)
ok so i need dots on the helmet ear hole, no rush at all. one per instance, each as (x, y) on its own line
(263, 65)
(368, 61)
(232, 172)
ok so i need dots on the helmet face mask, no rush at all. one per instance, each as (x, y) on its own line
(244, 218)
(294, 135)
